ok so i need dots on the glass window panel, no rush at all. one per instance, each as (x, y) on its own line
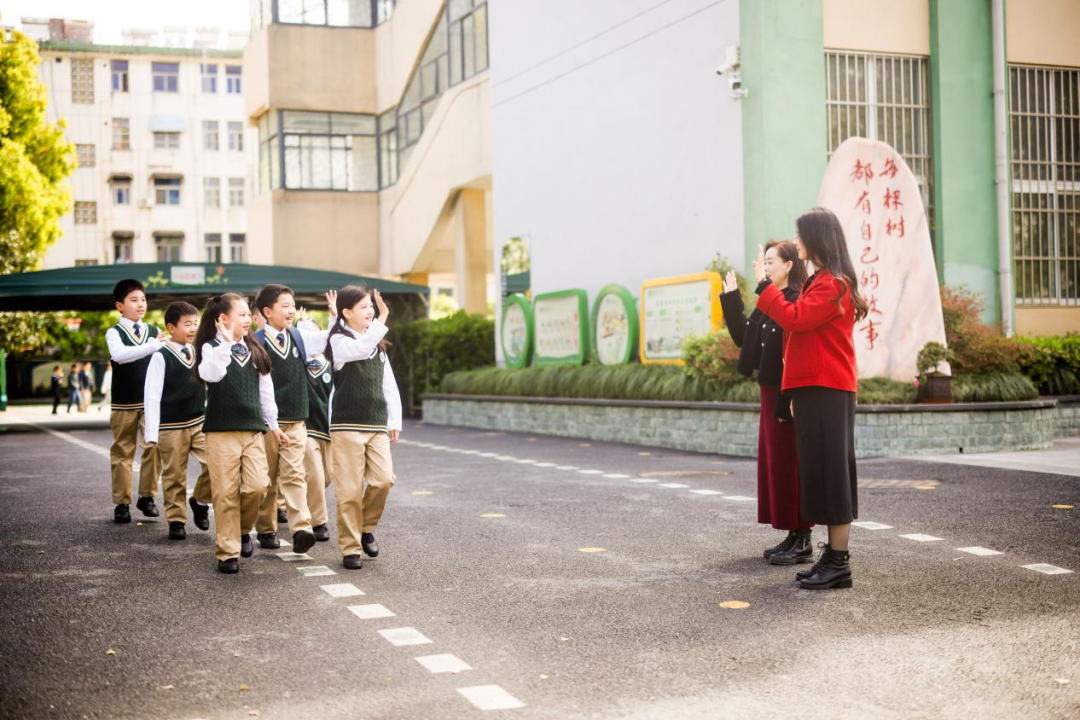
(458, 8)
(481, 33)
(349, 13)
(455, 53)
(349, 124)
(468, 32)
(305, 122)
(363, 164)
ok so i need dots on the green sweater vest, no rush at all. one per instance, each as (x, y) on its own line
(359, 403)
(183, 394)
(232, 403)
(289, 373)
(319, 383)
(129, 378)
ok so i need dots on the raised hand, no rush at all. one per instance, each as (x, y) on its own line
(381, 305)
(162, 336)
(301, 315)
(225, 329)
(731, 283)
(759, 264)
(331, 300)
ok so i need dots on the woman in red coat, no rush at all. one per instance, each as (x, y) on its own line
(819, 374)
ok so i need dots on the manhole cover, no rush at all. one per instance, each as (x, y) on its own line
(875, 483)
(685, 473)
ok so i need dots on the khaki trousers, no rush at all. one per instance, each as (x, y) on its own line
(286, 466)
(85, 396)
(127, 429)
(174, 447)
(360, 459)
(317, 471)
(238, 479)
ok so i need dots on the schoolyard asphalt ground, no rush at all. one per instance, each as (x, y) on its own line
(539, 577)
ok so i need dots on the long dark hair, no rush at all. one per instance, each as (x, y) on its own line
(217, 306)
(823, 237)
(347, 298)
(786, 251)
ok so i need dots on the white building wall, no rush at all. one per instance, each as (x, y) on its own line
(92, 124)
(616, 148)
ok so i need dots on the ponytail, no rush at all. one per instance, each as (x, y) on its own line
(217, 306)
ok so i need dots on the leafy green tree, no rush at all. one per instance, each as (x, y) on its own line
(35, 160)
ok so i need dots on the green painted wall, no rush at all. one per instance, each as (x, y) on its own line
(783, 117)
(962, 84)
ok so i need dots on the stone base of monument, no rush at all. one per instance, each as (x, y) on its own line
(936, 388)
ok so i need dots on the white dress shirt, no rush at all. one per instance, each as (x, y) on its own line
(152, 389)
(314, 338)
(364, 347)
(215, 362)
(121, 353)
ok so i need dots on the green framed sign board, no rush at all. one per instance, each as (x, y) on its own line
(615, 326)
(561, 328)
(516, 331)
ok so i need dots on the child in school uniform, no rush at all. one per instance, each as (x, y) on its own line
(239, 408)
(175, 406)
(73, 386)
(365, 420)
(317, 450)
(131, 343)
(289, 350)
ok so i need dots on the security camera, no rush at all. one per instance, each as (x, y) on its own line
(731, 60)
(726, 68)
(737, 90)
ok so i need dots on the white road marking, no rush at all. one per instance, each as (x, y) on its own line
(706, 492)
(644, 481)
(443, 663)
(316, 571)
(283, 542)
(405, 636)
(673, 485)
(545, 464)
(566, 467)
(616, 476)
(488, 455)
(739, 498)
(869, 525)
(1047, 569)
(342, 590)
(504, 457)
(96, 449)
(293, 557)
(370, 612)
(490, 697)
(591, 472)
(919, 537)
(980, 551)
(525, 462)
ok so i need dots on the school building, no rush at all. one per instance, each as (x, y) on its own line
(635, 139)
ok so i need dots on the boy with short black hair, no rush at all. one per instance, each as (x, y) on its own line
(73, 386)
(175, 406)
(131, 343)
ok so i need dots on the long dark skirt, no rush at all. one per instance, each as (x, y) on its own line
(828, 481)
(777, 468)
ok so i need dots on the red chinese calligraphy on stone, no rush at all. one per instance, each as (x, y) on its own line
(870, 279)
(864, 202)
(871, 306)
(895, 229)
(892, 199)
(862, 172)
(870, 333)
(865, 258)
(867, 231)
(890, 168)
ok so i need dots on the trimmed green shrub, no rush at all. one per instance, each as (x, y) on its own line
(976, 347)
(713, 357)
(1052, 363)
(886, 391)
(993, 387)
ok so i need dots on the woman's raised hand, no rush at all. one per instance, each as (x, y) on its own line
(759, 264)
(731, 283)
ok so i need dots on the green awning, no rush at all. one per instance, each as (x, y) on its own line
(518, 283)
(90, 287)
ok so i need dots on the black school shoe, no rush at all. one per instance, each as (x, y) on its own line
(200, 514)
(267, 541)
(367, 542)
(229, 567)
(321, 533)
(177, 531)
(146, 504)
(246, 548)
(122, 514)
(302, 541)
(352, 562)
(282, 517)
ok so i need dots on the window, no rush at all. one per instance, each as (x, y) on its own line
(210, 134)
(338, 13)
(237, 248)
(120, 76)
(121, 134)
(212, 192)
(1045, 137)
(86, 156)
(388, 154)
(329, 151)
(236, 136)
(233, 77)
(169, 247)
(123, 248)
(384, 10)
(212, 243)
(166, 141)
(236, 192)
(269, 155)
(209, 78)
(166, 77)
(886, 98)
(85, 212)
(82, 81)
(167, 191)
(468, 38)
(121, 191)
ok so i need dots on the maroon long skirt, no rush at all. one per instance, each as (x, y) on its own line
(778, 467)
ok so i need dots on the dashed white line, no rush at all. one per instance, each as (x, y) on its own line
(980, 551)
(591, 472)
(370, 612)
(673, 486)
(545, 465)
(293, 557)
(443, 663)
(1047, 569)
(739, 498)
(920, 537)
(405, 636)
(341, 590)
(490, 697)
(566, 467)
(869, 525)
(706, 492)
(616, 476)
(316, 571)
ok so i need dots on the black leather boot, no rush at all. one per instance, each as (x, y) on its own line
(823, 548)
(801, 550)
(835, 572)
(784, 545)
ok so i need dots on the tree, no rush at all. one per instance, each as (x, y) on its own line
(35, 160)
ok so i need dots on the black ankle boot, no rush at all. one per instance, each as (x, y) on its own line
(784, 545)
(801, 550)
(823, 549)
(834, 573)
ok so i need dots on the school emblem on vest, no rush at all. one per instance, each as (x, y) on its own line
(295, 352)
(326, 378)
